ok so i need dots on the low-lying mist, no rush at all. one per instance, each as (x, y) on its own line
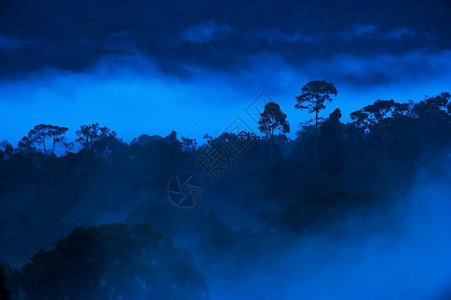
(289, 228)
(409, 258)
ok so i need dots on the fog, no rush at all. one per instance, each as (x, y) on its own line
(132, 95)
(336, 208)
(407, 259)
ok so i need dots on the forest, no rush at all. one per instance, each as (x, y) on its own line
(141, 156)
(91, 218)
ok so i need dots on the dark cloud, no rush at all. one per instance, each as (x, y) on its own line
(206, 32)
(224, 35)
(216, 56)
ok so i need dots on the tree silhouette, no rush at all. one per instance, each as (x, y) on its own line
(437, 107)
(271, 120)
(379, 110)
(6, 149)
(314, 95)
(113, 261)
(374, 114)
(189, 145)
(90, 134)
(40, 133)
(57, 136)
(25, 145)
(4, 293)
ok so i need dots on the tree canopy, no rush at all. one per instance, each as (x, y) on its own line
(361, 167)
(113, 261)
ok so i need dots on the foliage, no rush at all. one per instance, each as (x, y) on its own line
(4, 293)
(273, 119)
(93, 135)
(40, 133)
(189, 145)
(314, 95)
(113, 261)
(256, 205)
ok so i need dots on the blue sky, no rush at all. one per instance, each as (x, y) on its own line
(194, 68)
(133, 99)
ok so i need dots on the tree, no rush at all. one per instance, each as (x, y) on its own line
(273, 119)
(379, 110)
(172, 141)
(374, 114)
(208, 138)
(172, 136)
(331, 128)
(433, 113)
(11, 282)
(88, 135)
(57, 135)
(6, 149)
(4, 293)
(40, 133)
(25, 145)
(113, 262)
(189, 145)
(438, 107)
(314, 95)
(360, 119)
(332, 147)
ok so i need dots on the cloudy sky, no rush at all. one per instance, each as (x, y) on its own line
(194, 67)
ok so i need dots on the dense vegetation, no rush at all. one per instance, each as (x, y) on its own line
(279, 191)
